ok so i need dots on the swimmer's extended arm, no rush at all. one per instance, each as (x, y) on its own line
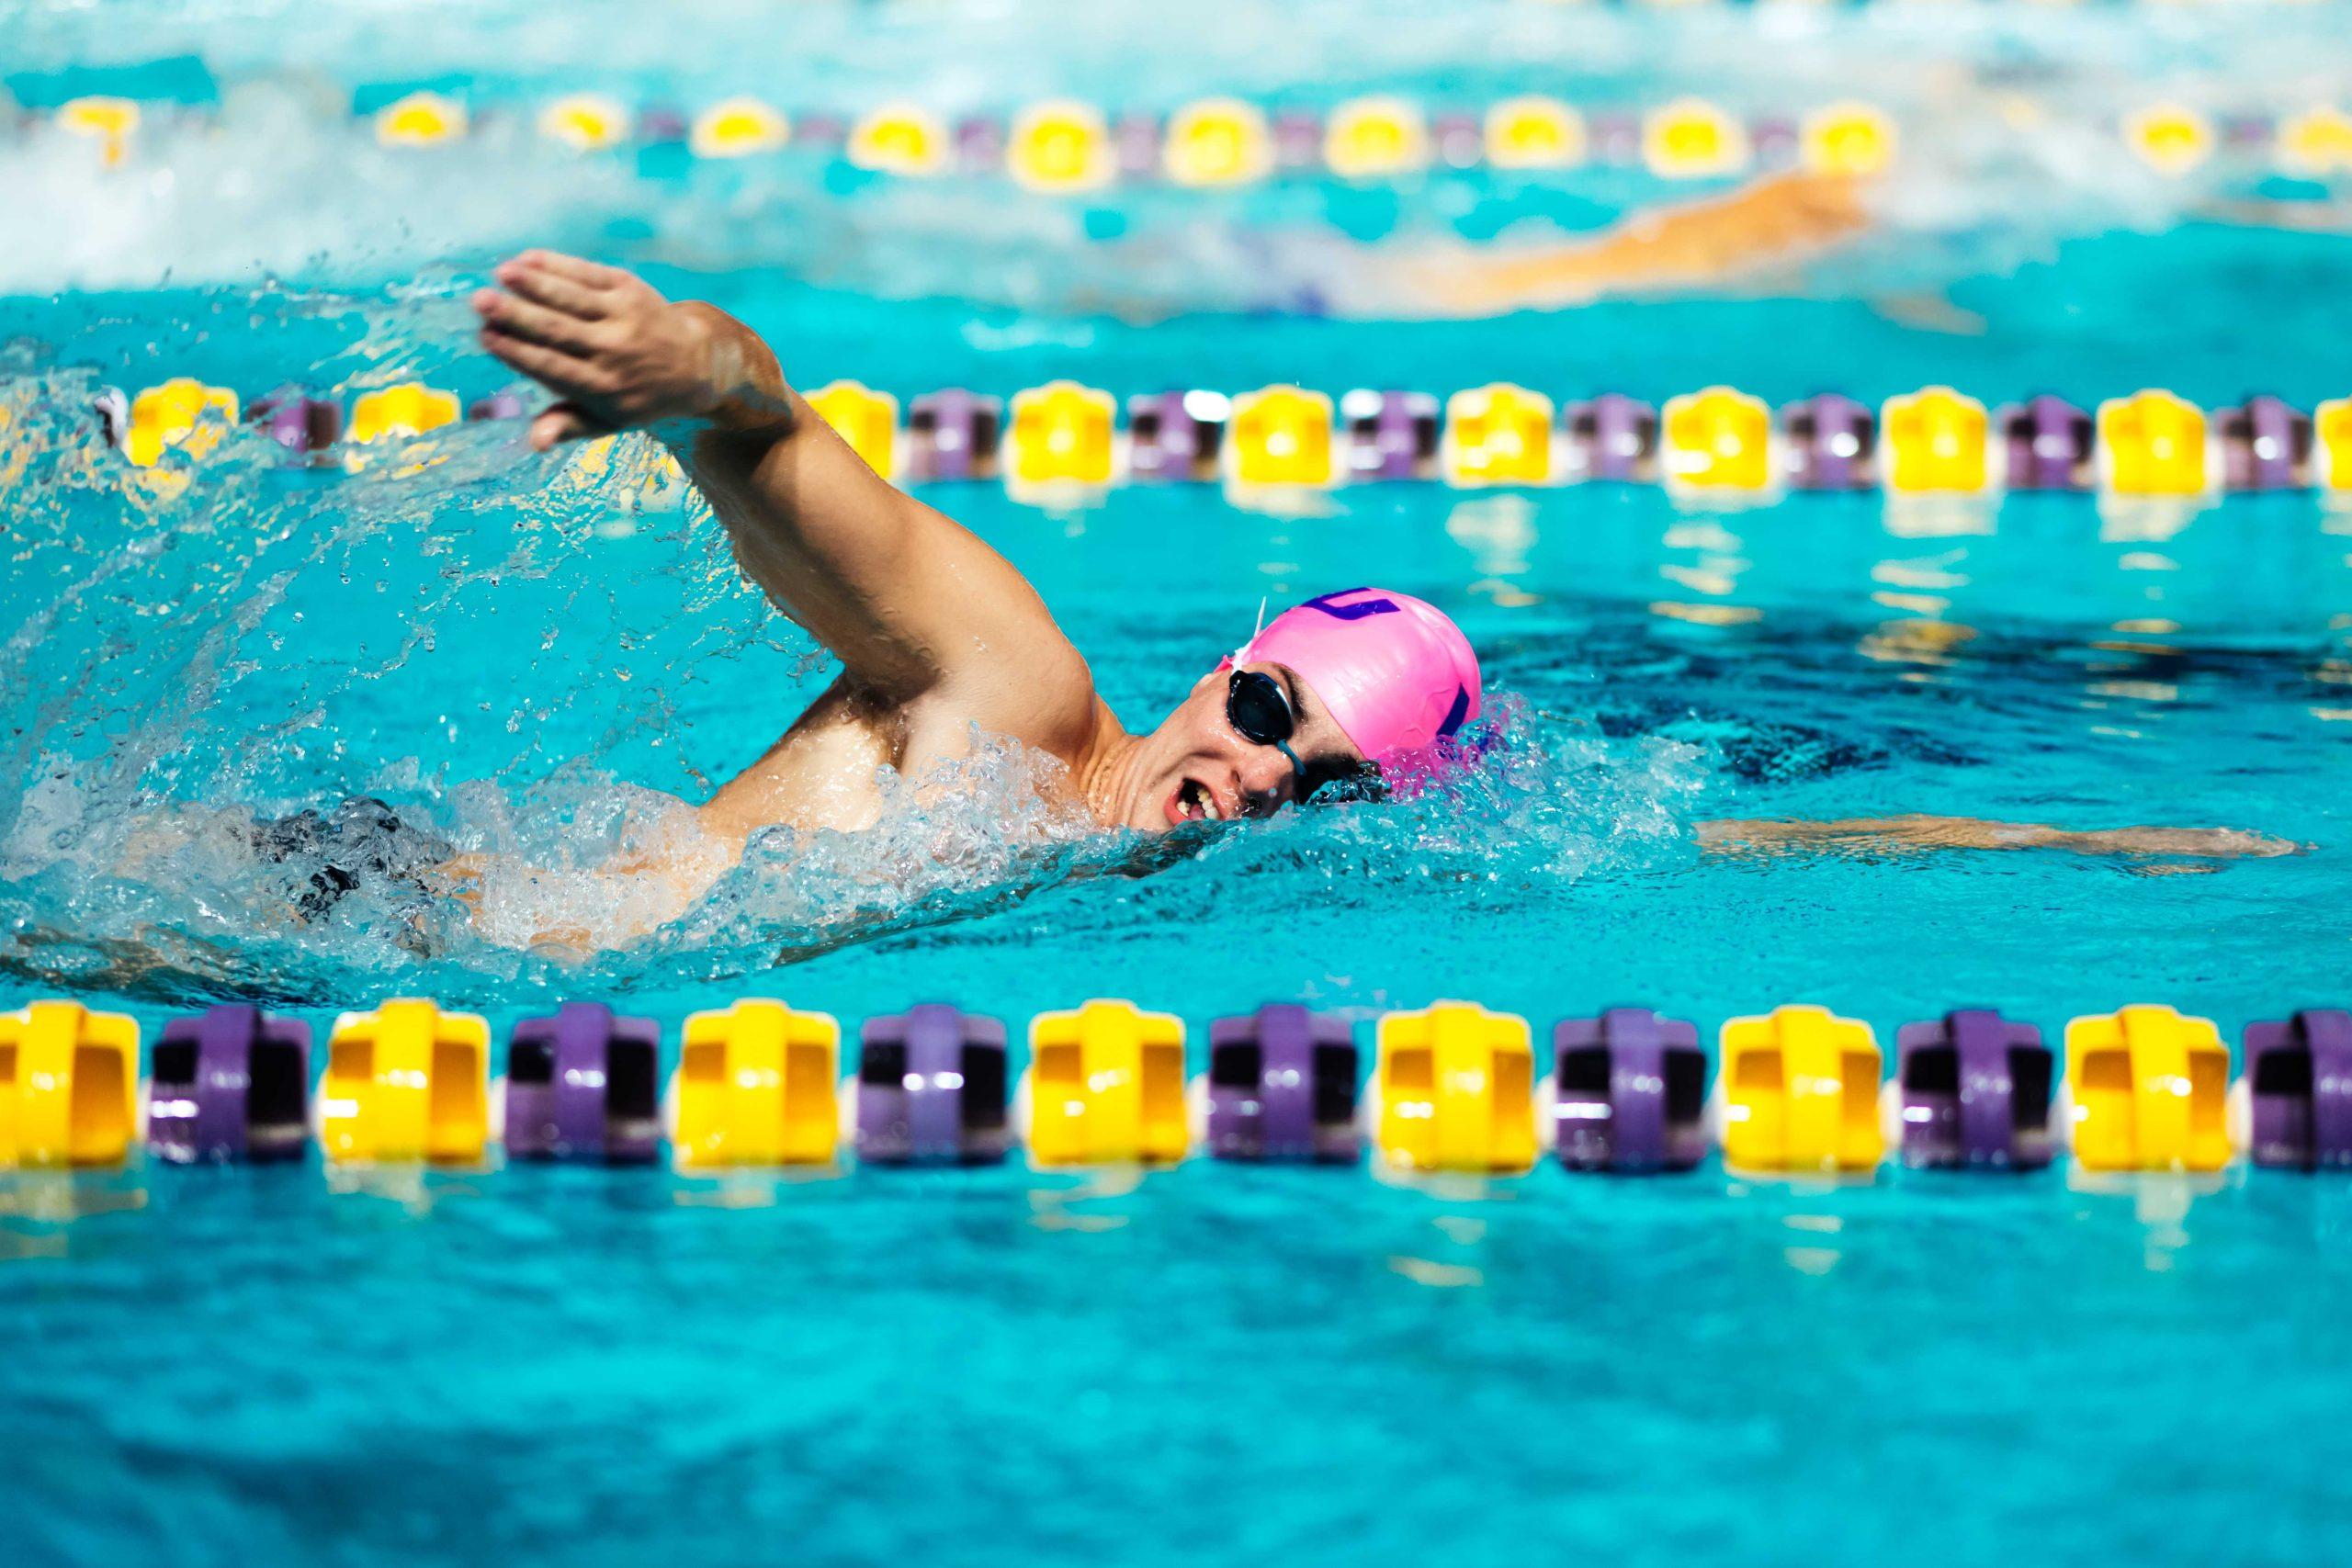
(1774, 219)
(1865, 835)
(2293, 216)
(907, 598)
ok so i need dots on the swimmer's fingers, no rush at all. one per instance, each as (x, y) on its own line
(562, 423)
(587, 274)
(517, 317)
(559, 291)
(564, 374)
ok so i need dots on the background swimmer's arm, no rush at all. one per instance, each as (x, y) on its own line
(1865, 835)
(1769, 220)
(2315, 217)
(908, 598)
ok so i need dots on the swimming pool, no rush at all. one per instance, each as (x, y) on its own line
(1215, 1360)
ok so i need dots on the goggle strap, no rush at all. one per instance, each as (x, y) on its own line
(1241, 655)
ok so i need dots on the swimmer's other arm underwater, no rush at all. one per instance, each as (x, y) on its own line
(940, 636)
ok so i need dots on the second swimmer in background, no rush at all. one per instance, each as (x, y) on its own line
(1776, 221)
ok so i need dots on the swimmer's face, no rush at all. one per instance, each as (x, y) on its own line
(1197, 767)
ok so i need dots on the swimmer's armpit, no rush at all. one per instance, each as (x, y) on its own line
(1917, 833)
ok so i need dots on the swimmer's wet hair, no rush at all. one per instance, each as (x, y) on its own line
(1329, 783)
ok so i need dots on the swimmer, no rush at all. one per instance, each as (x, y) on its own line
(1779, 218)
(1776, 220)
(943, 640)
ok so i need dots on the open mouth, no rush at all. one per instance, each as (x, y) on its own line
(1193, 802)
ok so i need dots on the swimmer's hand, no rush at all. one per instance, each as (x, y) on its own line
(620, 356)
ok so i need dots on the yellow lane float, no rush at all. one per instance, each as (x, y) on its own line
(1846, 138)
(1217, 142)
(420, 119)
(2147, 1090)
(1366, 137)
(181, 413)
(68, 1086)
(640, 474)
(899, 138)
(1105, 1086)
(1533, 132)
(1692, 139)
(585, 122)
(867, 419)
(1799, 1091)
(1061, 434)
(1455, 1091)
(739, 127)
(2332, 444)
(2154, 443)
(2170, 139)
(1716, 439)
(398, 413)
(1060, 145)
(2317, 142)
(755, 1088)
(1936, 440)
(407, 1082)
(1498, 435)
(1280, 435)
(109, 121)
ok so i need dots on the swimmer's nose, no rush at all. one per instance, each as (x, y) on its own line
(1263, 779)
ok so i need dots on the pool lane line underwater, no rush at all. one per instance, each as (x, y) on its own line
(1071, 147)
(1454, 1088)
(1064, 438)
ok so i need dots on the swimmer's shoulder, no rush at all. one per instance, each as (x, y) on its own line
(1045, 698)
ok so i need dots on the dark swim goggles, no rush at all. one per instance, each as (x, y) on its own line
(1255, 706)
(1260, 713)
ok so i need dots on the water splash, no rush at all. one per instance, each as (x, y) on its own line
(280, 179)
(251, 749)
(2009, 121)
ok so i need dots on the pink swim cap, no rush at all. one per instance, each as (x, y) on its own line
(1397, 674)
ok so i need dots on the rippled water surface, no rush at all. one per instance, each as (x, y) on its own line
(532, 657)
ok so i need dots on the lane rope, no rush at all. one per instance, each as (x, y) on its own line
(1064, 438)
(1072, 146)
(1454, 1088)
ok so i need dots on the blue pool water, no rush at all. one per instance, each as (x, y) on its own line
(1213, 1362)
